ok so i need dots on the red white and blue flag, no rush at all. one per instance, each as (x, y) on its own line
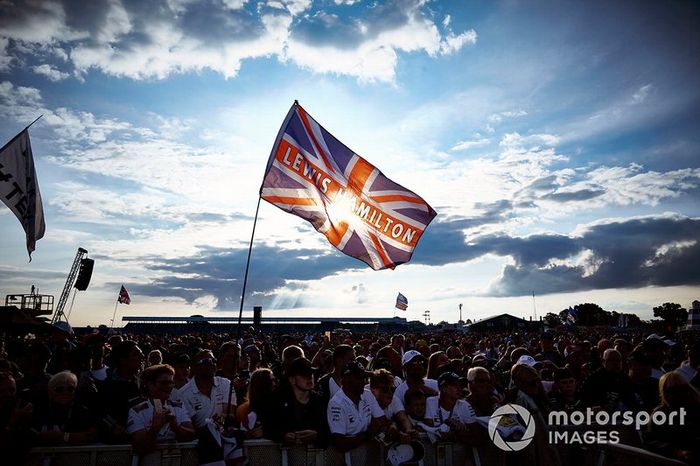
(360, 211)
(123, 297)
(401, 302)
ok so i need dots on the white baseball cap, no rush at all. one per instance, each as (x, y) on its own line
(408, 356)
(527, 360)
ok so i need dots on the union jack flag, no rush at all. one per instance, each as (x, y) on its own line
(401, 302)
(360, 211)
(123, 297)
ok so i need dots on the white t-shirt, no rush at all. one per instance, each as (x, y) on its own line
(394, 408)
(333, 387)
(347, 418)
(199, 406)
(462, 412)
(141, 418)
(403, 388)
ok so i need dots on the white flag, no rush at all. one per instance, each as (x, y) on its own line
(19, 188)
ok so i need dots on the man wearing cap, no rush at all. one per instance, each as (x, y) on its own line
(450, 409)
(549, 351)
(351, 410)
(297, 413)
(415, 366)
(644, 388)
(655, 347)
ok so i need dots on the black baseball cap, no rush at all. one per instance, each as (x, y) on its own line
(448, 378)
(355, 368)
(300, 366)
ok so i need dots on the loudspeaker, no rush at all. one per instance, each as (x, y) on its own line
(257, 316)
(84, 274)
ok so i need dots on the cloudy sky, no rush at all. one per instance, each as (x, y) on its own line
(559, 143)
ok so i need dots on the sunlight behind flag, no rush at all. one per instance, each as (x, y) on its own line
(360, 211)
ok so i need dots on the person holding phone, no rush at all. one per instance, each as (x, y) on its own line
(158, 419)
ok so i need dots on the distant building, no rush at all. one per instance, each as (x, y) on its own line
(694, 316)
(503, 323)
(198, 323)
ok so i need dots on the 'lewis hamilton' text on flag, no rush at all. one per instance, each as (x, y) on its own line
(362, 212)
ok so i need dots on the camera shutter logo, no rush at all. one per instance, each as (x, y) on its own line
(505, 415)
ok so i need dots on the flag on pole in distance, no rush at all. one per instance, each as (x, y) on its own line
(124, 297)
(401, 302)
(360, 211)
(19, 188)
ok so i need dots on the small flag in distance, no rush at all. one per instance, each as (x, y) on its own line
(401, 302)
(124, 297)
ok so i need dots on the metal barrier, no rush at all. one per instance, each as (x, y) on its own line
(267, 453)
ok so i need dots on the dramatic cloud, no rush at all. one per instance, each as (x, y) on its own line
(157, 39)
(634, 253)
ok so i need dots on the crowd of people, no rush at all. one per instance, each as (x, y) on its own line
(342, 390)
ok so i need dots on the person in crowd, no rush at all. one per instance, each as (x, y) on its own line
(643, 387)
(563, 395)
(329, 384)
(33, 363)
(297, 414)
(322, 362)
(691, 366)
(391, 358)
(15, 422)
(398, 342)
(289, 354)
(181, 363)
(155, 357)
(120, 390)
(58, 419)
(228, 357)
(481, 391)
(254, 357)
(608, 388)
(397, 427)
(252, 412)
(415, 408)
(415, 367)
(435, 362)
(352, 409)
(453, 351)
(548, 352)
(158, 419)
(208, 400)
(577, 358)
(448, 408)
(529, 393)
(678, 440)
(655, 346)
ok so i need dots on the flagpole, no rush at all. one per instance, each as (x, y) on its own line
(18, 134)
(114, 315)
(30, 124)
(247, 266)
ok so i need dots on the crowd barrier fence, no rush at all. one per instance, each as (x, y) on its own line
(267, 453)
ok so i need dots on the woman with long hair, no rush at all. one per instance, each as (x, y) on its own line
(679, 439)
(262, 384)
(435, 363)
